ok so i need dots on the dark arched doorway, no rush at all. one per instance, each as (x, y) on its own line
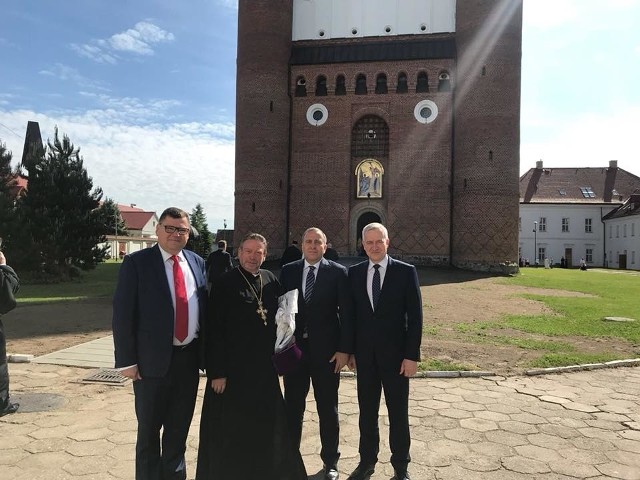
(365, 219)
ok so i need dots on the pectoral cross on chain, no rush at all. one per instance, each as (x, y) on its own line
(262, 312)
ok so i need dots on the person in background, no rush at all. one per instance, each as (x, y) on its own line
(290, 254)
(218, 262)
(9, 283)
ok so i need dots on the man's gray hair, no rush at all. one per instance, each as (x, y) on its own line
(317, 230)
(376, 226)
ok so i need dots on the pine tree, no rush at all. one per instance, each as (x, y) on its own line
(112, 219)
(201, 243)
(7, 200)
(60, 210)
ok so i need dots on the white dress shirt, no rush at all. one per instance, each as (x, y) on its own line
(384, 263)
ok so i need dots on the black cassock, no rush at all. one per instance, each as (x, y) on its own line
(243, 431)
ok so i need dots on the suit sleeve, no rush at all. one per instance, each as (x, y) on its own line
(347, 312)
(124, 321)
(8, 275)
(414, 316)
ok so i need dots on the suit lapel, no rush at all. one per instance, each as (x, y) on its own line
(161, 274)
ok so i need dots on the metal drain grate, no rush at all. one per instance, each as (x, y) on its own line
(106, 375)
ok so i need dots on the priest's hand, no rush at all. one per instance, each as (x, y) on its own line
(341, 360)
(219, 384)
(408, 368)
(352, 363)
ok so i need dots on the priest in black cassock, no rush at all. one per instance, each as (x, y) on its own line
(243, 428)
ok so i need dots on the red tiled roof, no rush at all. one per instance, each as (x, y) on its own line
(136, 220)
(19, 186)
(129, 208)
(565, 185)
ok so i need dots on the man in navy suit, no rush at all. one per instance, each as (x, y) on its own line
(158, 310)
(324, 303)
(388, 333)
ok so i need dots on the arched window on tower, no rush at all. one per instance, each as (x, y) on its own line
(341, 88)
(361, 84)
(423, 83)
(381, 83)
(444, 82)
(370, 138)
(403, 86)
(301, 87)
(321, 86)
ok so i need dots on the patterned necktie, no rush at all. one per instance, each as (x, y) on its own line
(308, 287)
(375, 285)
(182, 304)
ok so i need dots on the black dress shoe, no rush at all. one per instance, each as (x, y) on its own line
(331, 473)
(10, 408)
(363, 471)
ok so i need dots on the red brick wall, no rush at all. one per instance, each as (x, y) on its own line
(482, 149)
(262, 119)
(487, 137)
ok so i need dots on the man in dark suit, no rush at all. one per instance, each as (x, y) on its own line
(9, 284)
(388, 333)
(158, 309)
(324, 302)
(218, 262)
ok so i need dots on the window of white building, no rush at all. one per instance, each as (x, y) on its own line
(542, 224)
(624, 230)
(587, 225)
(588, 255)
(565, 224)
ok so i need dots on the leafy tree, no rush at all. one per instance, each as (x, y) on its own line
(7, 201)
(201, 243)
(60, 213)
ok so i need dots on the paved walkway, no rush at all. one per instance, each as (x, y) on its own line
(563, 426)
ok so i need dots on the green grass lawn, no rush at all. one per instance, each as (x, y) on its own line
(612, 294)
(100, 282)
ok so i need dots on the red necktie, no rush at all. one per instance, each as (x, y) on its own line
(182, 304)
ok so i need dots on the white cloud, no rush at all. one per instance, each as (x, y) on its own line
(153, 166)
(138, 40)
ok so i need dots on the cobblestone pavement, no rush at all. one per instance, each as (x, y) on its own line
(564, 426)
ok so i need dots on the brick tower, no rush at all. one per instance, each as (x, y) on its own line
(345, 115)
(263, 119)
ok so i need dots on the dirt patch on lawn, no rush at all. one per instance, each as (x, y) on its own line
(450, 298)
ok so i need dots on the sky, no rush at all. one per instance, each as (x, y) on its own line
(146, 89)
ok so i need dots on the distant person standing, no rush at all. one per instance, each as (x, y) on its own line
(291, 254)
(9, 283)
(331, 253)
(158, 311)
(218, 262)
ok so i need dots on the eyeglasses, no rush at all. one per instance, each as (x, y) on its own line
(180, 231)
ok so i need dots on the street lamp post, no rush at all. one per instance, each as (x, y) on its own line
(535, 243)
(115, 223)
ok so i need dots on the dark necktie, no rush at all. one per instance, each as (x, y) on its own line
(182, 304)
(308, 287)
(375, 285)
